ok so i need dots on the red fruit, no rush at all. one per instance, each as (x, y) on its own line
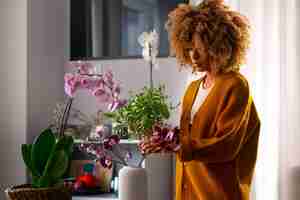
(88, 180)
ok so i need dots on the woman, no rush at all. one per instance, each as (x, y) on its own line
(219, 123)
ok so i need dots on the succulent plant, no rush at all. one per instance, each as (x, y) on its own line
(47, 158)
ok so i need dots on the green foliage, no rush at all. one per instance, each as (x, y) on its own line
(143, 110)
(47, 158)
(41, 150)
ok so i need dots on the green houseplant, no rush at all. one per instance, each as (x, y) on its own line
(47, 160)
(142, 112)
(149, 106)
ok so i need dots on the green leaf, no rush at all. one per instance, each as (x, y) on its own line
(110, 114)
(41, 150)
(44, 182)
(56, 166)
(65, 143)
(26, 154)
(35, 182)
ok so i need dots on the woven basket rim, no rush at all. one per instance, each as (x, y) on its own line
(28, 187)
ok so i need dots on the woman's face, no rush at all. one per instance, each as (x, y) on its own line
(198, 54)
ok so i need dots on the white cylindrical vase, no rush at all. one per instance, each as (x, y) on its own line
(160, 176)
(133, 184)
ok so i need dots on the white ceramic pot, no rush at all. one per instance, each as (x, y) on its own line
(133, 184)
(160, 176)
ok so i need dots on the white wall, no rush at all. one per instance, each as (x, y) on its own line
(13, 83)
(32, 52)
(134, 75)
(47, 44)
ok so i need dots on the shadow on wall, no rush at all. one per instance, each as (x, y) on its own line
(294, 183)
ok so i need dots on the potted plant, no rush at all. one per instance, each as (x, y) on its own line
(149, 106)
(142, 112)
(47, 158)
(47, 161)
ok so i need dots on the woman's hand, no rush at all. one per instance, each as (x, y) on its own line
(164, 139)
(147, 147)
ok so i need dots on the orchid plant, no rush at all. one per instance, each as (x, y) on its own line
(150, 44)
(163, 137)
(145, 113)
(104, 87)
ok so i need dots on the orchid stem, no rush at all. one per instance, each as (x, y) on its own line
(65, 117)
(151, 67)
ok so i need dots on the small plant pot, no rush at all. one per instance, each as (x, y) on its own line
(24, 192)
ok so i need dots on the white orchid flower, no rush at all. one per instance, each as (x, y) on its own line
(149, 40)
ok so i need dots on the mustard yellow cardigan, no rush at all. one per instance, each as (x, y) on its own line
(219, 147)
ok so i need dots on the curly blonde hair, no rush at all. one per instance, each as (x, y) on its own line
(224, 33)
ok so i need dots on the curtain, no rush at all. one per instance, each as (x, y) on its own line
(273, 70)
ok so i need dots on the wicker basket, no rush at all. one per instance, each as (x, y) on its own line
(26, 192)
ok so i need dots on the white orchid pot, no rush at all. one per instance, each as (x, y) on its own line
(133, 184)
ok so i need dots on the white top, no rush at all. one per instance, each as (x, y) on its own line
(200, 98)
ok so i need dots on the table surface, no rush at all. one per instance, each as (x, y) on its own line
(96, 197)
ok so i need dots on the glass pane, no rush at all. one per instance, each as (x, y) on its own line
(106, 29)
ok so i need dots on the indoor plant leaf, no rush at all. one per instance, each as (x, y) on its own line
(65, 143)
(41, 150)
(35, 182)
(56, 166)
(26, 154)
